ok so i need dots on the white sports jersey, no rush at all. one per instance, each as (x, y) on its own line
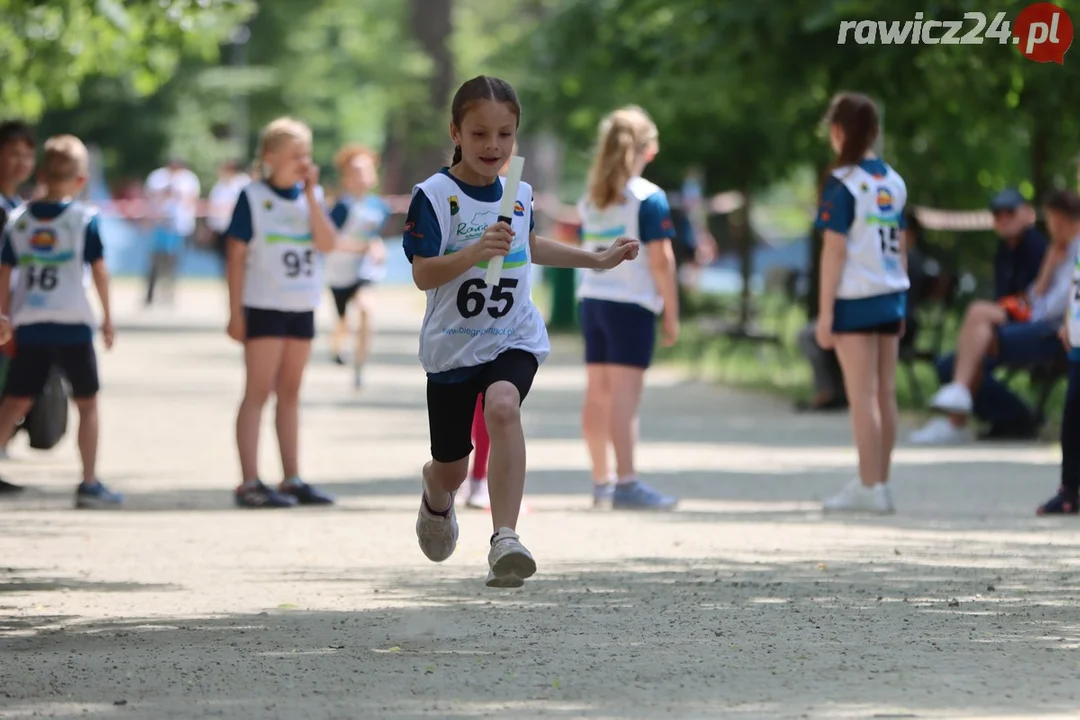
(1074, 302)
(50, 287)
(284, 270)
(874, 265)
(466, 322)
(363, 222)
(631, 281)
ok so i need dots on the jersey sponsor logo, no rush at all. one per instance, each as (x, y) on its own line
(43, 240)
(884, 200)
(454, 207)
(268, 205)
(519, 209)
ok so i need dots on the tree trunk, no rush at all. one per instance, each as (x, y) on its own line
(416, 142)
(744, 236)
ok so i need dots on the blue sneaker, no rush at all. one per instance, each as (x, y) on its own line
(305, 494)
(97, 497)
(257, 495)
(636, 495)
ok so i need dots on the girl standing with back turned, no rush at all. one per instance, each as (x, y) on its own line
(619, 307)
(863, 293)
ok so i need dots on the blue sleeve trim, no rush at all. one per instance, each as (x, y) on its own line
(7, 254)
(240, 226)
(654, 218)
(94, 249)
(837, 209)
(422, 236)
(339, 214)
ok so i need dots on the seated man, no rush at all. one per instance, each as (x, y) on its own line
(1017, 329)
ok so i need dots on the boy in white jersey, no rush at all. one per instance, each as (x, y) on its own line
(360, 258)
(1062, 213)
(475, 338)
(619, 308)
(278, 230)
(863, 295)
(51, 240)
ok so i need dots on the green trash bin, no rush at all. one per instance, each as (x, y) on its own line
(564, 316)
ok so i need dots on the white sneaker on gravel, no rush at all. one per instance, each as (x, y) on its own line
(953, 398)
(437, 534)
(478, 495)
(940, 431)
(509, 563)
(856, 497)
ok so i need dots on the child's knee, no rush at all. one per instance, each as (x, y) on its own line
(447, 475)
(86, 405)
(502, 404)
(256, 395)
(19, 406)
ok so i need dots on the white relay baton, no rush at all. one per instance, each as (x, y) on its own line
(506, 214)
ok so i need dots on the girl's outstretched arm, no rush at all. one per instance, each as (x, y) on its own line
(553, 253)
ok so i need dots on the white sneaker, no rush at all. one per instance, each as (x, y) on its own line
(940, 431)
(438, 535)
(952, 398)
(856, 497)
(509, 562)
(478, 495)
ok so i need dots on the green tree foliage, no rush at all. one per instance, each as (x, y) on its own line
(47, 49)
(740, 88)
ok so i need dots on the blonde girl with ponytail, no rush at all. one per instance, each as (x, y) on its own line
(619, 307)
(278, 233)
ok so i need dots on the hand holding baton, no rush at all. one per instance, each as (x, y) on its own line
(506, 214)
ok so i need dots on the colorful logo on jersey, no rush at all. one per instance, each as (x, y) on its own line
(863, 187)
(269, 205)
(884, 200)
(454, 207)
(519, 209)
(43, 240)
(21, 227)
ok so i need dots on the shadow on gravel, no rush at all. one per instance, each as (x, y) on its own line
(646, 637)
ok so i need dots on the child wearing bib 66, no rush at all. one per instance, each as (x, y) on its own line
(50, 241)
(277, 232)
(477, 339)
(863, 295)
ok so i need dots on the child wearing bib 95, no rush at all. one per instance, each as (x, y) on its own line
(279, 230)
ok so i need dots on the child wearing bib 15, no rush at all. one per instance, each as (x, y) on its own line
(477, 339)
(863, 295)
(278, 231)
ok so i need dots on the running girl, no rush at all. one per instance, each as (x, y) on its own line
(619, 308)
(477, 339)
(863, 293)
(278, 227)
(360, 258)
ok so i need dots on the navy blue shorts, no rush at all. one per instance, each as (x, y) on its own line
(877, 315)
(617, 333)
(30, 368)
(262, 323)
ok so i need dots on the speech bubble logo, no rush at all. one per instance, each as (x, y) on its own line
(1043, 32)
